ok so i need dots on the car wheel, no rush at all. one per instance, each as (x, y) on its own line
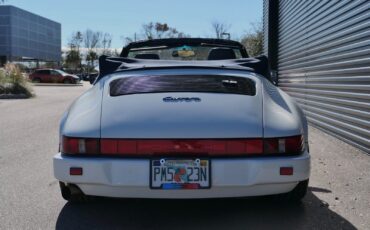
(36, 80)
(297, 194)
(72, 193)
(67, 81)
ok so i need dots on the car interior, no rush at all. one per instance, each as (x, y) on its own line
(147, 56)
(214, 54)
(221, 54)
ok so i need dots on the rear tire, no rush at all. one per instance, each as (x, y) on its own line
(297, 194)
(67, 81)
(72, 193)
(36, 80)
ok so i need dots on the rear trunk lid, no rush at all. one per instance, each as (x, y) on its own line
(162, 108)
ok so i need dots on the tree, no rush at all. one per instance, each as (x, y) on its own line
(220, 29)
(253, 40)
(106, 44)
(116, 53)
(127, 40)
(155, 30)
(92, 41)
(76, 40)
(73, 56)
(73, 59)
(91, 57)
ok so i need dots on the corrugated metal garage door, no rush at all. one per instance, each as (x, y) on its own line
(323, 51)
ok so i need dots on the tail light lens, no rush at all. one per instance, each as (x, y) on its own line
(214, 147)
(288, 145)
(80, 145)
(294, 144)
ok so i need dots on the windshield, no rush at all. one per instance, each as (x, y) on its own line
(185, 53)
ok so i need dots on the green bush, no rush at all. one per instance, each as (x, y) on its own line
(12, 81)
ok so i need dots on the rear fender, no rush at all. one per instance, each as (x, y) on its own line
(83, 117)
(281, 114)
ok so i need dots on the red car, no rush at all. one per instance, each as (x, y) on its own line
(53, 76)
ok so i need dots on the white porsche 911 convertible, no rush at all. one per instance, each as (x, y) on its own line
(183, 118)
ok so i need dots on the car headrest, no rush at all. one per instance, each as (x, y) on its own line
(147, 56)
(221, 54)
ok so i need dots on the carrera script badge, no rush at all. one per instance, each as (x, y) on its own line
(182, 99)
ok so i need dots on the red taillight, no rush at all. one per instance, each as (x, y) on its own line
(127, 146)
(255, 146)
(108, 146)
(187, 147)
(116, 146)
(271, 145)
(294, 144)
(205, 147)
(70, 145)
(80, 145)
(291, 145)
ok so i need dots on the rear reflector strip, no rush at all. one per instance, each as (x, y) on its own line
(286, 171)
(75, 171)
(108, 146)
(188, 147)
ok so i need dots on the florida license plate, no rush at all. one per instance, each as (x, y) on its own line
(180, 174)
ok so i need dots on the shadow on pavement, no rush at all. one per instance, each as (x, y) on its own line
(228, 214)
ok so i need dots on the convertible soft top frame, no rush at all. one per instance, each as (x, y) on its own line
(175, 42)
(110, 65)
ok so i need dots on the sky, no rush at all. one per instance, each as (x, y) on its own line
(123, 18)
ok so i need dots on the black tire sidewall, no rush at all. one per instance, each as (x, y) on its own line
(67, 81)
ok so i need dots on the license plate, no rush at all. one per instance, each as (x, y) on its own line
(180, 174)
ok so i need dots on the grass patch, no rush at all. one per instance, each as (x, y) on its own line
(12, 81)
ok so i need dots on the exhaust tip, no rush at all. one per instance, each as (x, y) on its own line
(71, 192)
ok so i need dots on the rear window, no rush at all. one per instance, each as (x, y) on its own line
(43, 71)
(182, 83)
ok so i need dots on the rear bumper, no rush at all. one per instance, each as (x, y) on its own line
(112, 177)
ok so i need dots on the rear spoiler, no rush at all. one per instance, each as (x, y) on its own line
(109, 65)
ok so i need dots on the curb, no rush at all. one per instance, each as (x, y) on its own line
(57, 84)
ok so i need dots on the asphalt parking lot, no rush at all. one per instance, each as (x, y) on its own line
(338, 197)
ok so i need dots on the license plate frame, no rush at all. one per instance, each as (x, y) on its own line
(180, 188)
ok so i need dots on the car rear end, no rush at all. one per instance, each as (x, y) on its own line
(69, 79)
(33, 76)
(201, 134)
